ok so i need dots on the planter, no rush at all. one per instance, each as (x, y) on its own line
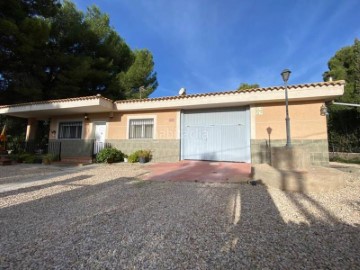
(126, 160)
(110, 160)
(142, 160)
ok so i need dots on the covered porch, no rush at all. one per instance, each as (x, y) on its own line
(73, 129)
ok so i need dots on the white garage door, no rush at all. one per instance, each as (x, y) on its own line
(216, 134)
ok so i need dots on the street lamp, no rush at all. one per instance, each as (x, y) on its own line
(285, 76)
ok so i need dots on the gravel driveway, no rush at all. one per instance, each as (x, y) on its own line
(102, 217)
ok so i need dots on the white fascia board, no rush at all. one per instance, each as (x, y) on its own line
(236, 98)
(103, 105)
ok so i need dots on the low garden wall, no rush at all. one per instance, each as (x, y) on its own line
(345, 156)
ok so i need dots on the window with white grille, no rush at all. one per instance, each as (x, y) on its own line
(141, 128)
(70, 130)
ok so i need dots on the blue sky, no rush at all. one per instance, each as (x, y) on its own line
(214, 45)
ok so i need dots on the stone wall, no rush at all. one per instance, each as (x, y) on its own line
(162, 150)
(317, 150)
(346, 156)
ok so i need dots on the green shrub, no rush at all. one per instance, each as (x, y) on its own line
(14, 143)
(14, 157)
(145, 154)
(48, 158)
(27, 158)
(109, 155)
(134, 157)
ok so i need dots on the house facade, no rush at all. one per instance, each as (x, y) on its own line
(238, 126)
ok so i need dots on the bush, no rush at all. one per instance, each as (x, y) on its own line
(26, 158)
(134, 157)
(109, 155)
(48, 158)
(17, 157)
(145, 154)
(15, 143)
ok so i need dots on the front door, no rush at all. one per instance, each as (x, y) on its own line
(100, 131)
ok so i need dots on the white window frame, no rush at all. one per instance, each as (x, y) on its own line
(70, 120)
(137, 117)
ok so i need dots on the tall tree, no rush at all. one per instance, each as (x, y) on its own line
(66, 53)
(344, 122)
(24, 32)
(140, 75)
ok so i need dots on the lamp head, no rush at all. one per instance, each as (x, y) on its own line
(285, 74)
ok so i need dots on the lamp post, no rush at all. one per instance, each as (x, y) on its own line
(285, 76)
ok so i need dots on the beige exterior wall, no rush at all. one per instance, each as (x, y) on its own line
(165, 124)
(88, 125)
(306, 123)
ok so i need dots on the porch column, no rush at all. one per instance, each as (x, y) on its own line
(31, 129)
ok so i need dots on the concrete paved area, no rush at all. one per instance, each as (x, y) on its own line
(198, 171)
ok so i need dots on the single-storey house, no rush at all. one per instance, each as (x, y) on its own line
(238, 126)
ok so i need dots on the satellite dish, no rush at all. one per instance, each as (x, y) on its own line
(182, 91)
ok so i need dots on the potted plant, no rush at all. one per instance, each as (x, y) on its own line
(144, 156)
(126, 158)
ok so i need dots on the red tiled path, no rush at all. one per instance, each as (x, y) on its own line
(202, 171)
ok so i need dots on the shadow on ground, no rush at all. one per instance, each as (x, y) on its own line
(126, 223)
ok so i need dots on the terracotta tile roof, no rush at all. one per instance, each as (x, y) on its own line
(56, 101)
(264, 89)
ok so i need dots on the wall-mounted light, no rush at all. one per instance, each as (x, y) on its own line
(111, 115)
(324, 110)
(86, 116)
(53, 133)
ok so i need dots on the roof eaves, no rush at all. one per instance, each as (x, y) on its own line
(219, 93)
(57, 101)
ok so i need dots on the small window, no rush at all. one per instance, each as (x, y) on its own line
(70, 130)
(141, 128)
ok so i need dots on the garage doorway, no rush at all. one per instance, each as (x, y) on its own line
(216, 134)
